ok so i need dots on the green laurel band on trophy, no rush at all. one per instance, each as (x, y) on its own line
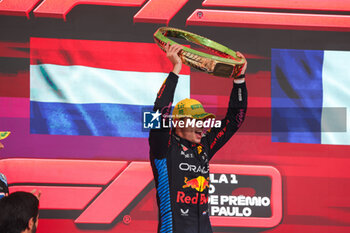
(227, 64)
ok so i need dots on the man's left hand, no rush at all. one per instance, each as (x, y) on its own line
(241, 80)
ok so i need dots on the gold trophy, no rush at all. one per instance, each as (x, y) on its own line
(226, 64)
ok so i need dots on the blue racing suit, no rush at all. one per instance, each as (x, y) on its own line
(181, 168)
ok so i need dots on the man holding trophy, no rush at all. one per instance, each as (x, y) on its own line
(180, 156)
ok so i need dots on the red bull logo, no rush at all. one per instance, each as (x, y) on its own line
(199, 183)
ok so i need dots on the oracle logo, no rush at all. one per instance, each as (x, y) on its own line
(193, 168)
(162, 11)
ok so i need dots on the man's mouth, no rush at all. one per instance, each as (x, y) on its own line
(198, 133)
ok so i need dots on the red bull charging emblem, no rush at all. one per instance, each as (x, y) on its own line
(199, 183)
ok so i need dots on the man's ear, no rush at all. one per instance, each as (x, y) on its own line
(31, 223)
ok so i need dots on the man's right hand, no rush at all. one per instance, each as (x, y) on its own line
(172, 53)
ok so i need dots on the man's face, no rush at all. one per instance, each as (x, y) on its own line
(192, 134)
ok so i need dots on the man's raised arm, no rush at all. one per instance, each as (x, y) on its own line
(158, 139)
(217, 137)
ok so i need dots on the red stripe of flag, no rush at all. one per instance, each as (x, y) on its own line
(124, 56)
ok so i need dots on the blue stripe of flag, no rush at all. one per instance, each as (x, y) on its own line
(296, 95)
(118, 120)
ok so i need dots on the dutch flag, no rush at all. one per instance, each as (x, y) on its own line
(98, 88)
